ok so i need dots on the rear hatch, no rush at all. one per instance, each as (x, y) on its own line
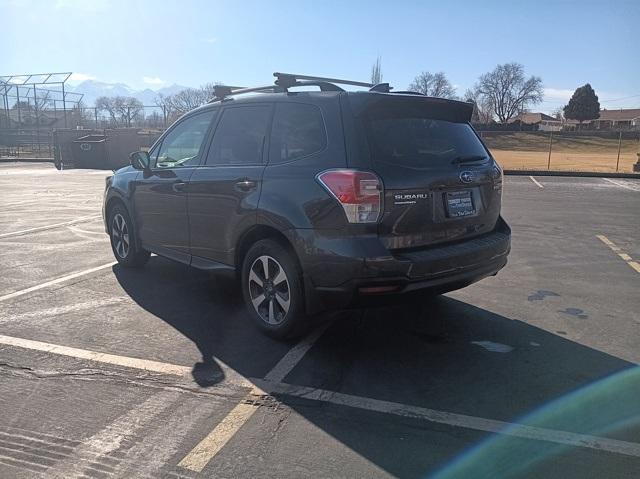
(440, 182)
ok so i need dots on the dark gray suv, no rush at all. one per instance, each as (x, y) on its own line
(316, 200)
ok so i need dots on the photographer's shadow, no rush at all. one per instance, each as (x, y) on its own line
(207, 310)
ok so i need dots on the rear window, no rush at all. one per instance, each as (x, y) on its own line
(420, 143)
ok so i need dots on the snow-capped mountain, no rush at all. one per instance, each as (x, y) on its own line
(92, 89)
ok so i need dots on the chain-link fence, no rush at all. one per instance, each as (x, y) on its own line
(589, 150)
(599, 151)
(30, 134)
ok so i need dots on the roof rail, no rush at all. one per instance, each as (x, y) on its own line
(284, 81)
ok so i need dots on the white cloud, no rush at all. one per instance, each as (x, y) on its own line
(210, 40)
(80, 77)
(153, 81)
(560, 94)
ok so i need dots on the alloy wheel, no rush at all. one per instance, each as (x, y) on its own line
(269, 289)
(120, 235)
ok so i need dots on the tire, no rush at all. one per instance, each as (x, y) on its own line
(280, 314)
(123, 239)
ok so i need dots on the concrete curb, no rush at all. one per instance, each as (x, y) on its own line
(26, 160)
(583, 174)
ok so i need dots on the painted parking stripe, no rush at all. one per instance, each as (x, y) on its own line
(197, 459)
(53, 282)
(49, 227)
(129, 362)
(616, 249)
(231, 376)
(537, 183)
(112, 436)
(621, 184)
(453, 419)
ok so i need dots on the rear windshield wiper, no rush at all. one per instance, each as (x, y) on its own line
(468, 159)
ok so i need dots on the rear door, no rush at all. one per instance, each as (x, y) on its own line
(441, 183)
(224, 191)
(160, 195)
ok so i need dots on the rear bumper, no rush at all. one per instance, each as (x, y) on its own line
(336, 268)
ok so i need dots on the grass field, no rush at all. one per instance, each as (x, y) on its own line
(523, 150)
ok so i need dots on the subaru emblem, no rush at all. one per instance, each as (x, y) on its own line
(466, 177)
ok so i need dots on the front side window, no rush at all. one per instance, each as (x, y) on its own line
(182, 144)
(240, 136)
(298, 131)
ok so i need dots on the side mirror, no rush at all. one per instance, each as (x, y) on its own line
(140, 160)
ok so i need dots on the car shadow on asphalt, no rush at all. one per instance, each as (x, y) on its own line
(206, 309)
(436, 353)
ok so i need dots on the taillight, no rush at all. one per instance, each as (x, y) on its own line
(359, 193)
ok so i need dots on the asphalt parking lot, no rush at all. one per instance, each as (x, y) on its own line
(107, 372)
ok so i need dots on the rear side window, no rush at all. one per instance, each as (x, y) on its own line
(298, 131)
(420, 143)
(240, 136)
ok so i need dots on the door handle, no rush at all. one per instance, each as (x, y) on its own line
(179, 187)
(245, 184)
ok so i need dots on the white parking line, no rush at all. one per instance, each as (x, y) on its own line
(205, 450)
(620, 184)
(536, 182)
(231, 376)
(454, 419)
(48, 227)
(112, 436)
(135, 363)
(53, 282)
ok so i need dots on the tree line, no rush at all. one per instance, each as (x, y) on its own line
(501, 94)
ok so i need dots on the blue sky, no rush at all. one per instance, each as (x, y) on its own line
(155, 43)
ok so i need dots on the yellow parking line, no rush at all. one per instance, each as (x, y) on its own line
(624, 256)
(206, 449)
(197, 459)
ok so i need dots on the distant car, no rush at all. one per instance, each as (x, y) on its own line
(315, 200)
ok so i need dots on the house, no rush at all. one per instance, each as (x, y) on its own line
(622, 119)
(542, 121)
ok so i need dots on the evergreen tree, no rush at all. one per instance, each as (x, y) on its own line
(583, 105)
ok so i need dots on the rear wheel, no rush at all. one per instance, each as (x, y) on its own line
(123, 239)
(272, 290)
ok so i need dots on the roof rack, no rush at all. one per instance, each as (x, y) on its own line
(284, 81)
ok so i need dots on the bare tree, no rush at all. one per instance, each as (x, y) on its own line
(558, 113)
(376, 72)
(165, 102)
(188, 99)
(121, 109)
(507, 90)
(433, 84)
(128, 108)
(107, 104)
(41, 99)
(482, 108)
(208, 89)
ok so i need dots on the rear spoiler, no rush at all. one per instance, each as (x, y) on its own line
(402, 105)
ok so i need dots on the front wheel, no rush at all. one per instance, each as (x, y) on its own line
(272, 290)
(123, 239)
